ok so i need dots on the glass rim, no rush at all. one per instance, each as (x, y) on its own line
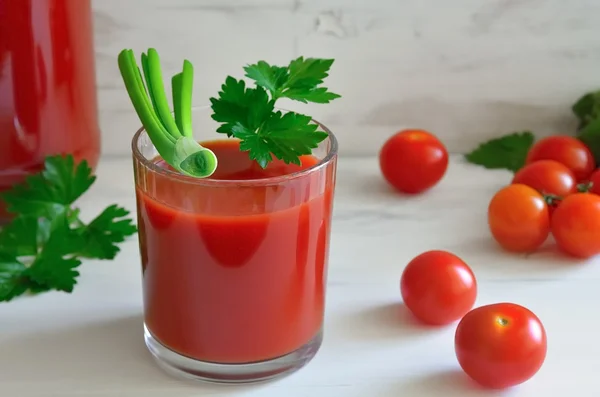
(272, 180)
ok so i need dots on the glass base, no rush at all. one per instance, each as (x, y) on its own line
(189, 368)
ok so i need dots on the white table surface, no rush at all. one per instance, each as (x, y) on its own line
(90, 343)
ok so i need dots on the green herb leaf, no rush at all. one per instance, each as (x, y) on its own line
(51, 192)
(12, 281)
(287, 136)
(587, 108)
(305, 95)
(20, 237)
(273, 78)
(590, 136)
(55, 265)
(249, 113)
(299, 81)
(41, 248)
(259, 148)
(104, 232)
(292, 135)
(248, 107)
(308, 72)
(305, 75)
(506, 152)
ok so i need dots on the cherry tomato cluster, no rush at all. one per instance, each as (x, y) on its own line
(503, 344)
(557, 192)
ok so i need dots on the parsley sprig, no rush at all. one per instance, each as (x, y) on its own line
(43, 245)
(248, 113)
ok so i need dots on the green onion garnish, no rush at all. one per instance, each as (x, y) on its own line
(172, 136)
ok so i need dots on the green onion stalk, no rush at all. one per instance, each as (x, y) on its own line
(170, 132)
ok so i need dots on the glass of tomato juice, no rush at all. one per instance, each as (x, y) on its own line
(234, 266)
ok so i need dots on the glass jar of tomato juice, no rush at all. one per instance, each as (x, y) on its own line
(47, 86)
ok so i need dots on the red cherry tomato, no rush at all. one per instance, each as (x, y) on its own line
(438, 287)
(518, 218)
(595, 181)
(576, 225)
(500, 345)
(548, 177)
(567, 150)
(413, 161)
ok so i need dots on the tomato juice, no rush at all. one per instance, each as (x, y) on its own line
(47, 86)
(234, 266)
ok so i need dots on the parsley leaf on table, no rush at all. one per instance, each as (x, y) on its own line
(506, 152)
(13, 282)
(42, 247)
(249, 113)
(55, 263)
(101, 235)
(587, 108)
(20, 237)
(590, 136)
(52, 191)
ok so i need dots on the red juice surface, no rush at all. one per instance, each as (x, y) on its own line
(47, 85)
(235, 274)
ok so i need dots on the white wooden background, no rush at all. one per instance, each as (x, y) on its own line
(465, 69)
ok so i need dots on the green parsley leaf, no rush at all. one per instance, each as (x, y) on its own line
(308, 72)
(299, 81)
(55, 265)
(20, 237)
(104, 232)
(587, 108)
(56, 271)
(12, 280)
(287, 136)
(305, 75)
(259, 148)
(50, 192)
(590, 136)
(41, 248)
(249, 107)
(249, 113)
(506, 152)
(270, 77)
(305, 95)
(292, 135)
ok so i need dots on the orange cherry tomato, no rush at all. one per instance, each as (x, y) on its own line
(576, 225)
(438, 287)
(518, 218)
(413, 161)
(567, 150)
(500, 345)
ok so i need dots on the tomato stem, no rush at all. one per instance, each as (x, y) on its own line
(552, 200)
(585, 187)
